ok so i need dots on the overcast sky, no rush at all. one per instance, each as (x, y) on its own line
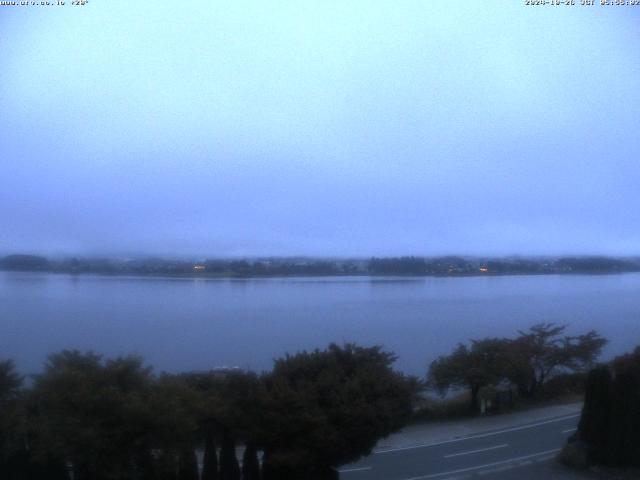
(320, 128)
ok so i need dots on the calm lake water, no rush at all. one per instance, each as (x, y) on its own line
(181, 324)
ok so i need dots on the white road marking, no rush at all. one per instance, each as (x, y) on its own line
(360, 469)
(497, 470)
(545, 458)
(488, 465)
(469, 452)
(471, 437)
(569, 430)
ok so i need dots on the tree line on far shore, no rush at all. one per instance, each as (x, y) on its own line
(286, 266)
(90, 418)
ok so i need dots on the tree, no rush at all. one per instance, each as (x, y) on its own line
(187, 464)
(229, 468)
(210, 459)
(103, 419)
(12, 454)
(610, 421)
(250, 463)
(10, 382)
(594, 423)
(94, 414)
(229, 411)
(480, 365)
(175, 407)
(527, 361)
(397, 266)
(542, 351)
(624, 434)
(326, 408)
(17, 459)
(24, 263)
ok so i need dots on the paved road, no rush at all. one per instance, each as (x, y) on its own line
(516, 452)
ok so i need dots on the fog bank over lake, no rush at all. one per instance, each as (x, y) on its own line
(184, 324)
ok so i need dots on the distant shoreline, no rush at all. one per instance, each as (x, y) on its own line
(195, 276)
(300, 267)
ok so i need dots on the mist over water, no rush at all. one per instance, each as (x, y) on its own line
(195, 324)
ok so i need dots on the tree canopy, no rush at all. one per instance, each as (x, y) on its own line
(483, 363)
(94, 413)
(93, 418)
(10, 381)
(610, 421)
(527, 361)
(327, 408)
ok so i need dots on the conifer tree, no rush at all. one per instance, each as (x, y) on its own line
(595, 421)
(250, 463)
(229, 468)
(187, 465)
(210, 460)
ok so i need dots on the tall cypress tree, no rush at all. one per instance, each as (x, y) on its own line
(229, 468)
(624, 436)
(23, 467)
(187, 465)
(595, 420)
(210, 460)
(166, 466)
(250, 463)
(610, 422)
(267, 469)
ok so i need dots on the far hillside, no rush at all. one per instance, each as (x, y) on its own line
(308, 267)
